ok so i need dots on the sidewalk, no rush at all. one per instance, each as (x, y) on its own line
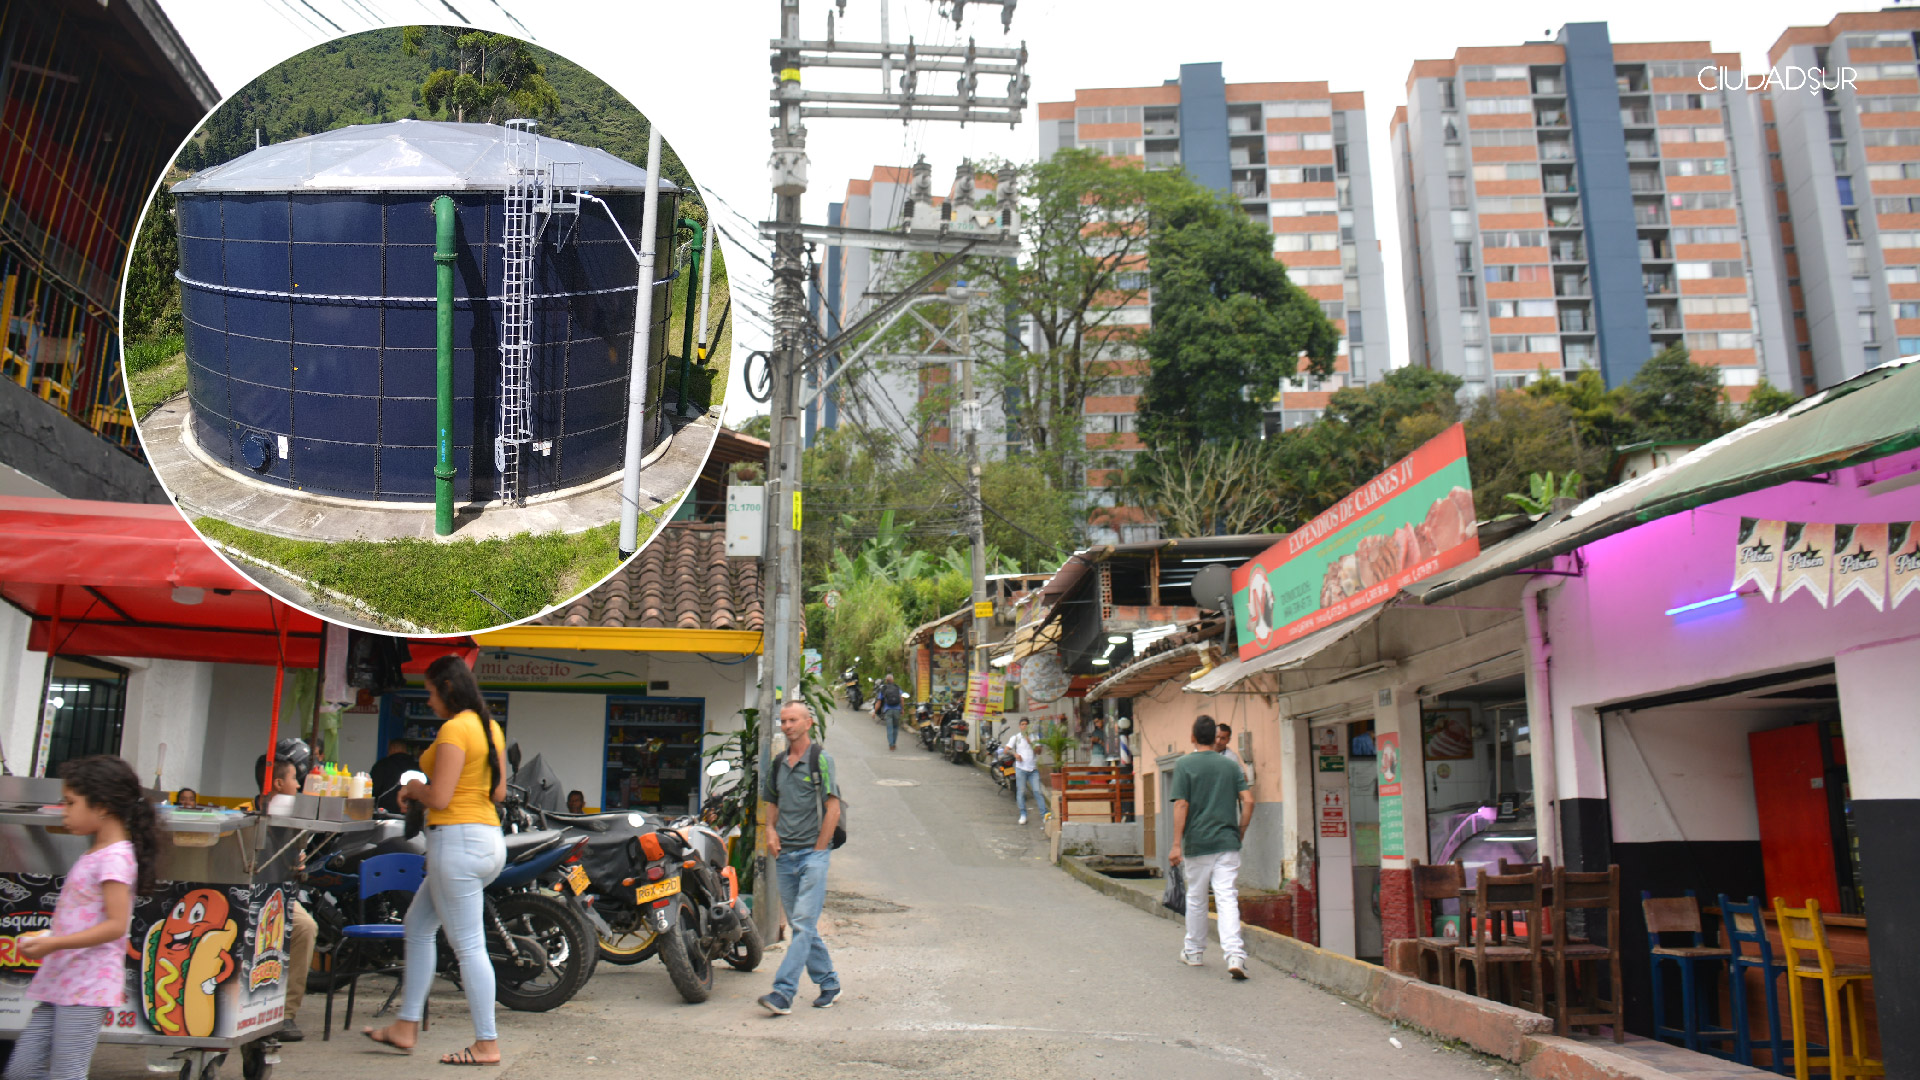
(1516, 1035)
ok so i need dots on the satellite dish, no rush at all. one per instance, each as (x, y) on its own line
(1213, 588)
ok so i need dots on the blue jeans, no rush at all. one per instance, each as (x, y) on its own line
(893, 724)
(461, 861)
(1021, 779)
(803, 890)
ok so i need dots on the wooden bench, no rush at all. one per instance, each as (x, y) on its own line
(1109, 787)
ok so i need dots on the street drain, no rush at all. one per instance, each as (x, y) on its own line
(898, 783)
(846, 903)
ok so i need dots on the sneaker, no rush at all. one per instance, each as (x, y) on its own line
(290, 1032)
(1191, 959)
(776, 1003)
(1023, 819)
(826, 998)
(1237, 967)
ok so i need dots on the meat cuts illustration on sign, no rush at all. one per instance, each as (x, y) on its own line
(1410, 522)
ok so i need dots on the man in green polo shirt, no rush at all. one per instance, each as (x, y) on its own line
(1212, 805)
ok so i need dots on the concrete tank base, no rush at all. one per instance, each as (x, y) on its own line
(205, 489)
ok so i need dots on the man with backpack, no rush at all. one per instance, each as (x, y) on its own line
(803, 828)
(890, 708)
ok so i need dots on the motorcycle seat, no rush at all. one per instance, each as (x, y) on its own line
(519, 844)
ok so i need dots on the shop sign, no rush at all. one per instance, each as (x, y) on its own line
(1042, 678)
(1333, 815)
(1327, 751)
(557, 669)
(812, 657)
(986, 694)
(1393, 838)
(923, 674)
(1878, 561)
(983, 609)
(944, 637)
(746, 521)
(1408, 523)
(203, 961)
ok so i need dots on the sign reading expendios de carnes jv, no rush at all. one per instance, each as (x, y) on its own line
(1410, 522)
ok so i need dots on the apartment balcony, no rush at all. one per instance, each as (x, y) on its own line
(1548, 85)
(1550, 118)
(1641, 148)
(1568, 252)
(1564, 216)
(1559, 184)
(1659, 322)
(1248, 189)
(1636, 117)
(1656, 284)
(1556, 150)
(1641, 184)
(1649, 214)
(1575, 321)
(1571, 285)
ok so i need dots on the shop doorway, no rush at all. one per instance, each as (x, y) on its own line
(653, 754)
(1477, 748)
(83, 712)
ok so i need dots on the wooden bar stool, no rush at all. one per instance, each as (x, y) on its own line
(1746, 928)
(1588, 893)
(1431, 886)
(1488, 944)
(1805, 937)
(1681, 915)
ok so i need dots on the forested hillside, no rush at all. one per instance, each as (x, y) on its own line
(370, 79)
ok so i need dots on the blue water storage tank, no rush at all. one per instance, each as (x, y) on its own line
(307, 286)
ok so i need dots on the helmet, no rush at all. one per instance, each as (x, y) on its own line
(288, 749)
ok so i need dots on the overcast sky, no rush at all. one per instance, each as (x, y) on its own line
(700, 70)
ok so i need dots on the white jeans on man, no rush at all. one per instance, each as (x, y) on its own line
(1221, 872)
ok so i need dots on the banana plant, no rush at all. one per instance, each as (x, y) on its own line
(1542, 491)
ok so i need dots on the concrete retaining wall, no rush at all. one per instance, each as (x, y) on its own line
(1099, 838)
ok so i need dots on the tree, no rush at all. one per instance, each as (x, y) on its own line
(1032, 519)
(1765, 400)
(1215, 489)
(1228, 325)
(760, 426)
(1084, 227)
(495, 77)
(1543, 490)
(153, 296)
(1673, 399)
(1514, 435)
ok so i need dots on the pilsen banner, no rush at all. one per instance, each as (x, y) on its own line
(1410, 522)
(1878, 561)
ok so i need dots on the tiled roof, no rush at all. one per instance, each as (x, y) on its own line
(682, 579)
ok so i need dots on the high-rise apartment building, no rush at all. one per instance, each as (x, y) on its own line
(1843, 121)
(1578, 203)
(1295, 156)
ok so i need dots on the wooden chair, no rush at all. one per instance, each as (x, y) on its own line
(1489, 940)
(1432, 885)
(1748, 947)
(1591, 894)
(1681, 915)
(1804, 936)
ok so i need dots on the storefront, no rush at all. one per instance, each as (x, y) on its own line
(1727, 663)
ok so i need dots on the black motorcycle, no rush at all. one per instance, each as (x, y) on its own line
(1000, 765)
(851, 681)
(692, 898)
(954, 735)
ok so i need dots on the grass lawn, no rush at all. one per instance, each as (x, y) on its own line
(156, 370)
(433, 584)
(709, 381)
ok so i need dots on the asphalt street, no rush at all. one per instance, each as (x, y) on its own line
(963, 952)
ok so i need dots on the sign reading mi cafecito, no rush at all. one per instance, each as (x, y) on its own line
(1410, 522)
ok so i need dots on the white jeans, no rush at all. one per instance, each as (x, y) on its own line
(1220, 870)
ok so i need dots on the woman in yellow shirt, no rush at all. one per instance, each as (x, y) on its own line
(465, 851)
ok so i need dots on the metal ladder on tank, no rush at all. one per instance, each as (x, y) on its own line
(531, 198)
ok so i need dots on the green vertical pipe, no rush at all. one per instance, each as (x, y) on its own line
(693, 299)
(443, 470)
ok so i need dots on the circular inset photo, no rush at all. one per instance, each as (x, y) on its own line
(426, 330)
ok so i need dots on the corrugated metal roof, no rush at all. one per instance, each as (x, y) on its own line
(1867, 417)
(406, 155)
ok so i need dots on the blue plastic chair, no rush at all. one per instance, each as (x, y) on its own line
(401, 872)
(1746, 926)
(1681, 915)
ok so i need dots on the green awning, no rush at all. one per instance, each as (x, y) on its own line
(1866, 417)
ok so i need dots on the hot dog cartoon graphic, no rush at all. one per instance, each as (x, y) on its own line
(186, 957)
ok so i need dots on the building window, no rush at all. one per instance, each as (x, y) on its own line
(1869, 326)
(1845, 184)
(1462, 222)
(1909, 346)
(1066, 134)
(1850, 219)
(1872, 353)
(1474, 360)
(1470, 326)
(1463, 257)
(1862, 292)
(1447, 100)
(1469, 292)
(1840, 155)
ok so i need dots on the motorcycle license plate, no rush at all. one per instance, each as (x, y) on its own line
(577, 878)
(656, 890)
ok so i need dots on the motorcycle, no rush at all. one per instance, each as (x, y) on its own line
(851, 681)
(692, 899)
(954, 736)
(929, 728)
(538, 946)
(1000, 765)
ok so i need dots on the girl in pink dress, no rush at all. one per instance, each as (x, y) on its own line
(83, 968)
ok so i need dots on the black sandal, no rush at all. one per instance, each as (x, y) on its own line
(464, 1057)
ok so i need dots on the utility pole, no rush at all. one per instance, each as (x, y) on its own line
(790, 359)
(970, 414)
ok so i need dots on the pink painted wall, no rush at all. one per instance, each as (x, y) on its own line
(1612, 640)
